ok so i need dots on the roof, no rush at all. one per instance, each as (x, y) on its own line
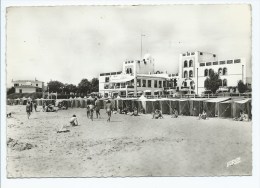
(26, 86)
(26, 81)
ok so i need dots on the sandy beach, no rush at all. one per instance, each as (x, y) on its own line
(127, 146)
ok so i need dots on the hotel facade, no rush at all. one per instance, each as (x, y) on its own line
(139, 77)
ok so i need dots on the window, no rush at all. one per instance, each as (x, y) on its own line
(229, 61)
(214, 55)
(220, 71)
(215, 63)
(225, 82)
(138, 83)
(185, 74)
(113, 73)
(202, 64)
(190, 63)
(106, 74)
(122, 85)
(192, 85)
(107, 79)
(201, 53)
(106, 86)
(211, 71)
(20, 90)
(191, 73)
(185, 84)
(183, 54)
(36, 84)
(225, 71)
(164, 83)
(160, 84)
(16, 85)
(208, 63)
(102, 74)
(222, 62)
(144, 83)
(192, 53)
(185, 63)
(175, 82)
(237, 61)
(206, 72)
(149, 83)
(155, 83)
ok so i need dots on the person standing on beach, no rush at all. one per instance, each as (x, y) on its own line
(28, 109)
(35, 106)
(91, 111)
(97, 107)
(108, 108)
(31, 106)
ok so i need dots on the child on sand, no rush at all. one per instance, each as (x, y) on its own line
(157, 114)
(135, 112)
(108, 108)
(175, 113)
(73, 122)
(203, 115)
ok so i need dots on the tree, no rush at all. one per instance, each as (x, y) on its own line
(84, 87)
(10, 90)
(70, 88)
(241, 86)
(94, 85)
(55, 86)
(213, 82)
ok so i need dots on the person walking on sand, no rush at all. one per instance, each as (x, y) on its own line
(108, 108)
(97, 107)
(35, 106)
(91, 111)
(31, 106)
(28, 109)
(88, 111)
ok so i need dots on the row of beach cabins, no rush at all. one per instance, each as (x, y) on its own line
(214, 107)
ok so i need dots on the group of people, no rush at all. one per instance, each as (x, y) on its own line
(90, 113)
(29, 108)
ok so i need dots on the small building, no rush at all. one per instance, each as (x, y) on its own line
(28, 86)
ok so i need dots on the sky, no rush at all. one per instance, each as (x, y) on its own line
(69, 43)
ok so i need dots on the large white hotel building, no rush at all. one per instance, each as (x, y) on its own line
(139, 77)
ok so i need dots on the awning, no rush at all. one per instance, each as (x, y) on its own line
(121, 80)
(243, 101)
(218, 100)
